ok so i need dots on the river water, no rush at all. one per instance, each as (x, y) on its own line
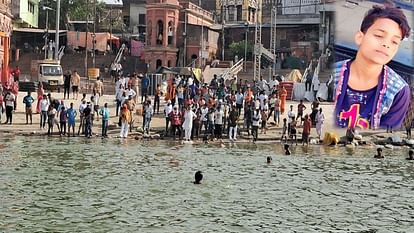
(78, 185)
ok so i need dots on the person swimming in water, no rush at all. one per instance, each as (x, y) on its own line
(410, 155)
(287, 151)
(198, 177)
(379, 154)
(268, 159)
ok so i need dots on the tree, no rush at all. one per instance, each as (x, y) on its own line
(238, 48)
(69, 10)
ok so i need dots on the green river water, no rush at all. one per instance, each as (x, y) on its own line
(113, 185)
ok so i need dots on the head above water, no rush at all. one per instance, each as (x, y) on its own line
(269, 159)
(198, 177)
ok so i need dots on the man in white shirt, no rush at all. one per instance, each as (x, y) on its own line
(261, 98)
(291, 117)
(274, 83)
(9, 98)
(120, 97)
(204, 117)
(262, 84)
(131, 92)
(218, 121)
(239, 101)
(315, 84)
(119, 85)
(82, 107)
(256, 121)
(167, 110)
(44, 107)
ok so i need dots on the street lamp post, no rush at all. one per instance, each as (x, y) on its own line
(46, 37)
(246, 25)
(222, 29)
(202, 37)
(94, 35)
(185, 39)
(57, 29)
(110, 32)
(47, 28)
(86, 41)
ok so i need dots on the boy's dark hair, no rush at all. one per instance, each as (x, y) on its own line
(388, 12)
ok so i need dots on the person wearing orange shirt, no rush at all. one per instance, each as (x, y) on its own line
(283, 95)
(211, 102)
(157, 99)
(248, 96)
(172, 92)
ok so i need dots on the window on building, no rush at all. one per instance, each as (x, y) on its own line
(160, 31)
(30, 7)
(239, 13)
(230, 11)
(149, 33)
(141, 19)
(126, 20)
(170, 33)
(158, 63)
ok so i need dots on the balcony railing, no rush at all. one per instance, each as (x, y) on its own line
(193, 7)
(297, 7)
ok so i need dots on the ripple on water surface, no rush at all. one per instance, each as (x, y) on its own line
(77, 185)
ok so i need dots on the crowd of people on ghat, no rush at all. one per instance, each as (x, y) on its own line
(224, 107)
(56, 113)
(193, 110)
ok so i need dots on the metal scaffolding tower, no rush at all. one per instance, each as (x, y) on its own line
(257, 43)
(273, 40)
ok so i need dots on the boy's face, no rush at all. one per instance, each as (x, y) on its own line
(380, 42)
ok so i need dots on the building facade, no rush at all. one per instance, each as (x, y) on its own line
(134, 15)
(303, 27)
(238, 11)
(5, 30)
(198, 43)
(161, 33)
(25, 13)
(178, 33)
(5, 16)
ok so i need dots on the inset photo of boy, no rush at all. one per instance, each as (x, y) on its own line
(374, 64)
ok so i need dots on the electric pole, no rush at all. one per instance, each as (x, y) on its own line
(94, 35)
(86, 40)
(57, 29)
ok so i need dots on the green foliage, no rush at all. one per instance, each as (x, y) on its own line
(237, 48)
(69, 10)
